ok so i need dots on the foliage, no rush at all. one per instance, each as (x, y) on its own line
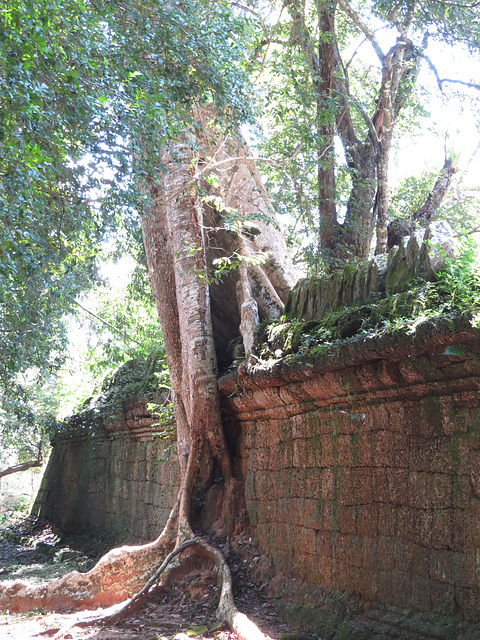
(14, 510)
(409, 196)
(27, 413)
(295, 111)
(459, 208)
(459, 281)
(141, 376)
(50, 231)
(89, 92)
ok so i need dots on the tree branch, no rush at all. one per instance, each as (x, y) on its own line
(434, 199)
(344, 117)
(357, 20)
(24, 466)
(460, 5)
(440, 81)
(214, 164)
(472, 85)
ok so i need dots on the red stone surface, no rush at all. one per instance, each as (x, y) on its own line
(383, 457)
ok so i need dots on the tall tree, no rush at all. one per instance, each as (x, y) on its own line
(159, 63)
(325, 93)
(165, 102)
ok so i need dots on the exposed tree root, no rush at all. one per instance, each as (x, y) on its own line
(227, 612)
(116, 576)
(125, 571)
(117, 613)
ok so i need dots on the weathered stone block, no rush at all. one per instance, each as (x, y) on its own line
(439, 490)
(438, 246)
(442, 533)
(420, 255)
(385, 507)
(347, 520)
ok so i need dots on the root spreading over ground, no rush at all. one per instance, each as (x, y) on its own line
(186, 600)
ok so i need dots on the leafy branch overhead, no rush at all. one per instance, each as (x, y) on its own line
(323, 88)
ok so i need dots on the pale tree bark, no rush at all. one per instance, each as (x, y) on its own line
(400, 68)
(178, 273)
(258, 288)
(435, 198)
(367, 155)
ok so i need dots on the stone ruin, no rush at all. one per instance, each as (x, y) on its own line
(419, 256)
(360, 468)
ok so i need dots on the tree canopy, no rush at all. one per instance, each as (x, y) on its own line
(342, 88)
(91, 91)
(115, 113)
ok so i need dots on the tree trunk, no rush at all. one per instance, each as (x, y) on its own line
(323, 83)
(240, 225)
(369, 157)
(180, 257)
(359, 224)
(435, 198)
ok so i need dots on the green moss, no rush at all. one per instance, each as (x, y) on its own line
(355, 440)
(410, 312)
(349, 631)
(475, 419)
(318, 621)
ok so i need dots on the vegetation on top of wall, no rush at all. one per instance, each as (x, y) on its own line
(141, 376)
(455, 292)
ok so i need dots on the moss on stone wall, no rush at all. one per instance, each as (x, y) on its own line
(403, 311)
(135, 379)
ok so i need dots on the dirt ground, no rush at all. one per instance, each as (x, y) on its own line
(35, 552)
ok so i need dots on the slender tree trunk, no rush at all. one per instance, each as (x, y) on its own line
(392, 70)
(328, 223)
(361, 155)
(369, 157)
(359, 223)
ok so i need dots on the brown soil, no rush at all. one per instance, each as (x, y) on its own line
(36, 552)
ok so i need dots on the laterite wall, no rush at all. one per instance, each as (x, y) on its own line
(362, 472)
(361, 468)
(122, 480)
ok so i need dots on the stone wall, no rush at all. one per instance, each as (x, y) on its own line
(421, 255)
(362, 469)
(123, 479)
